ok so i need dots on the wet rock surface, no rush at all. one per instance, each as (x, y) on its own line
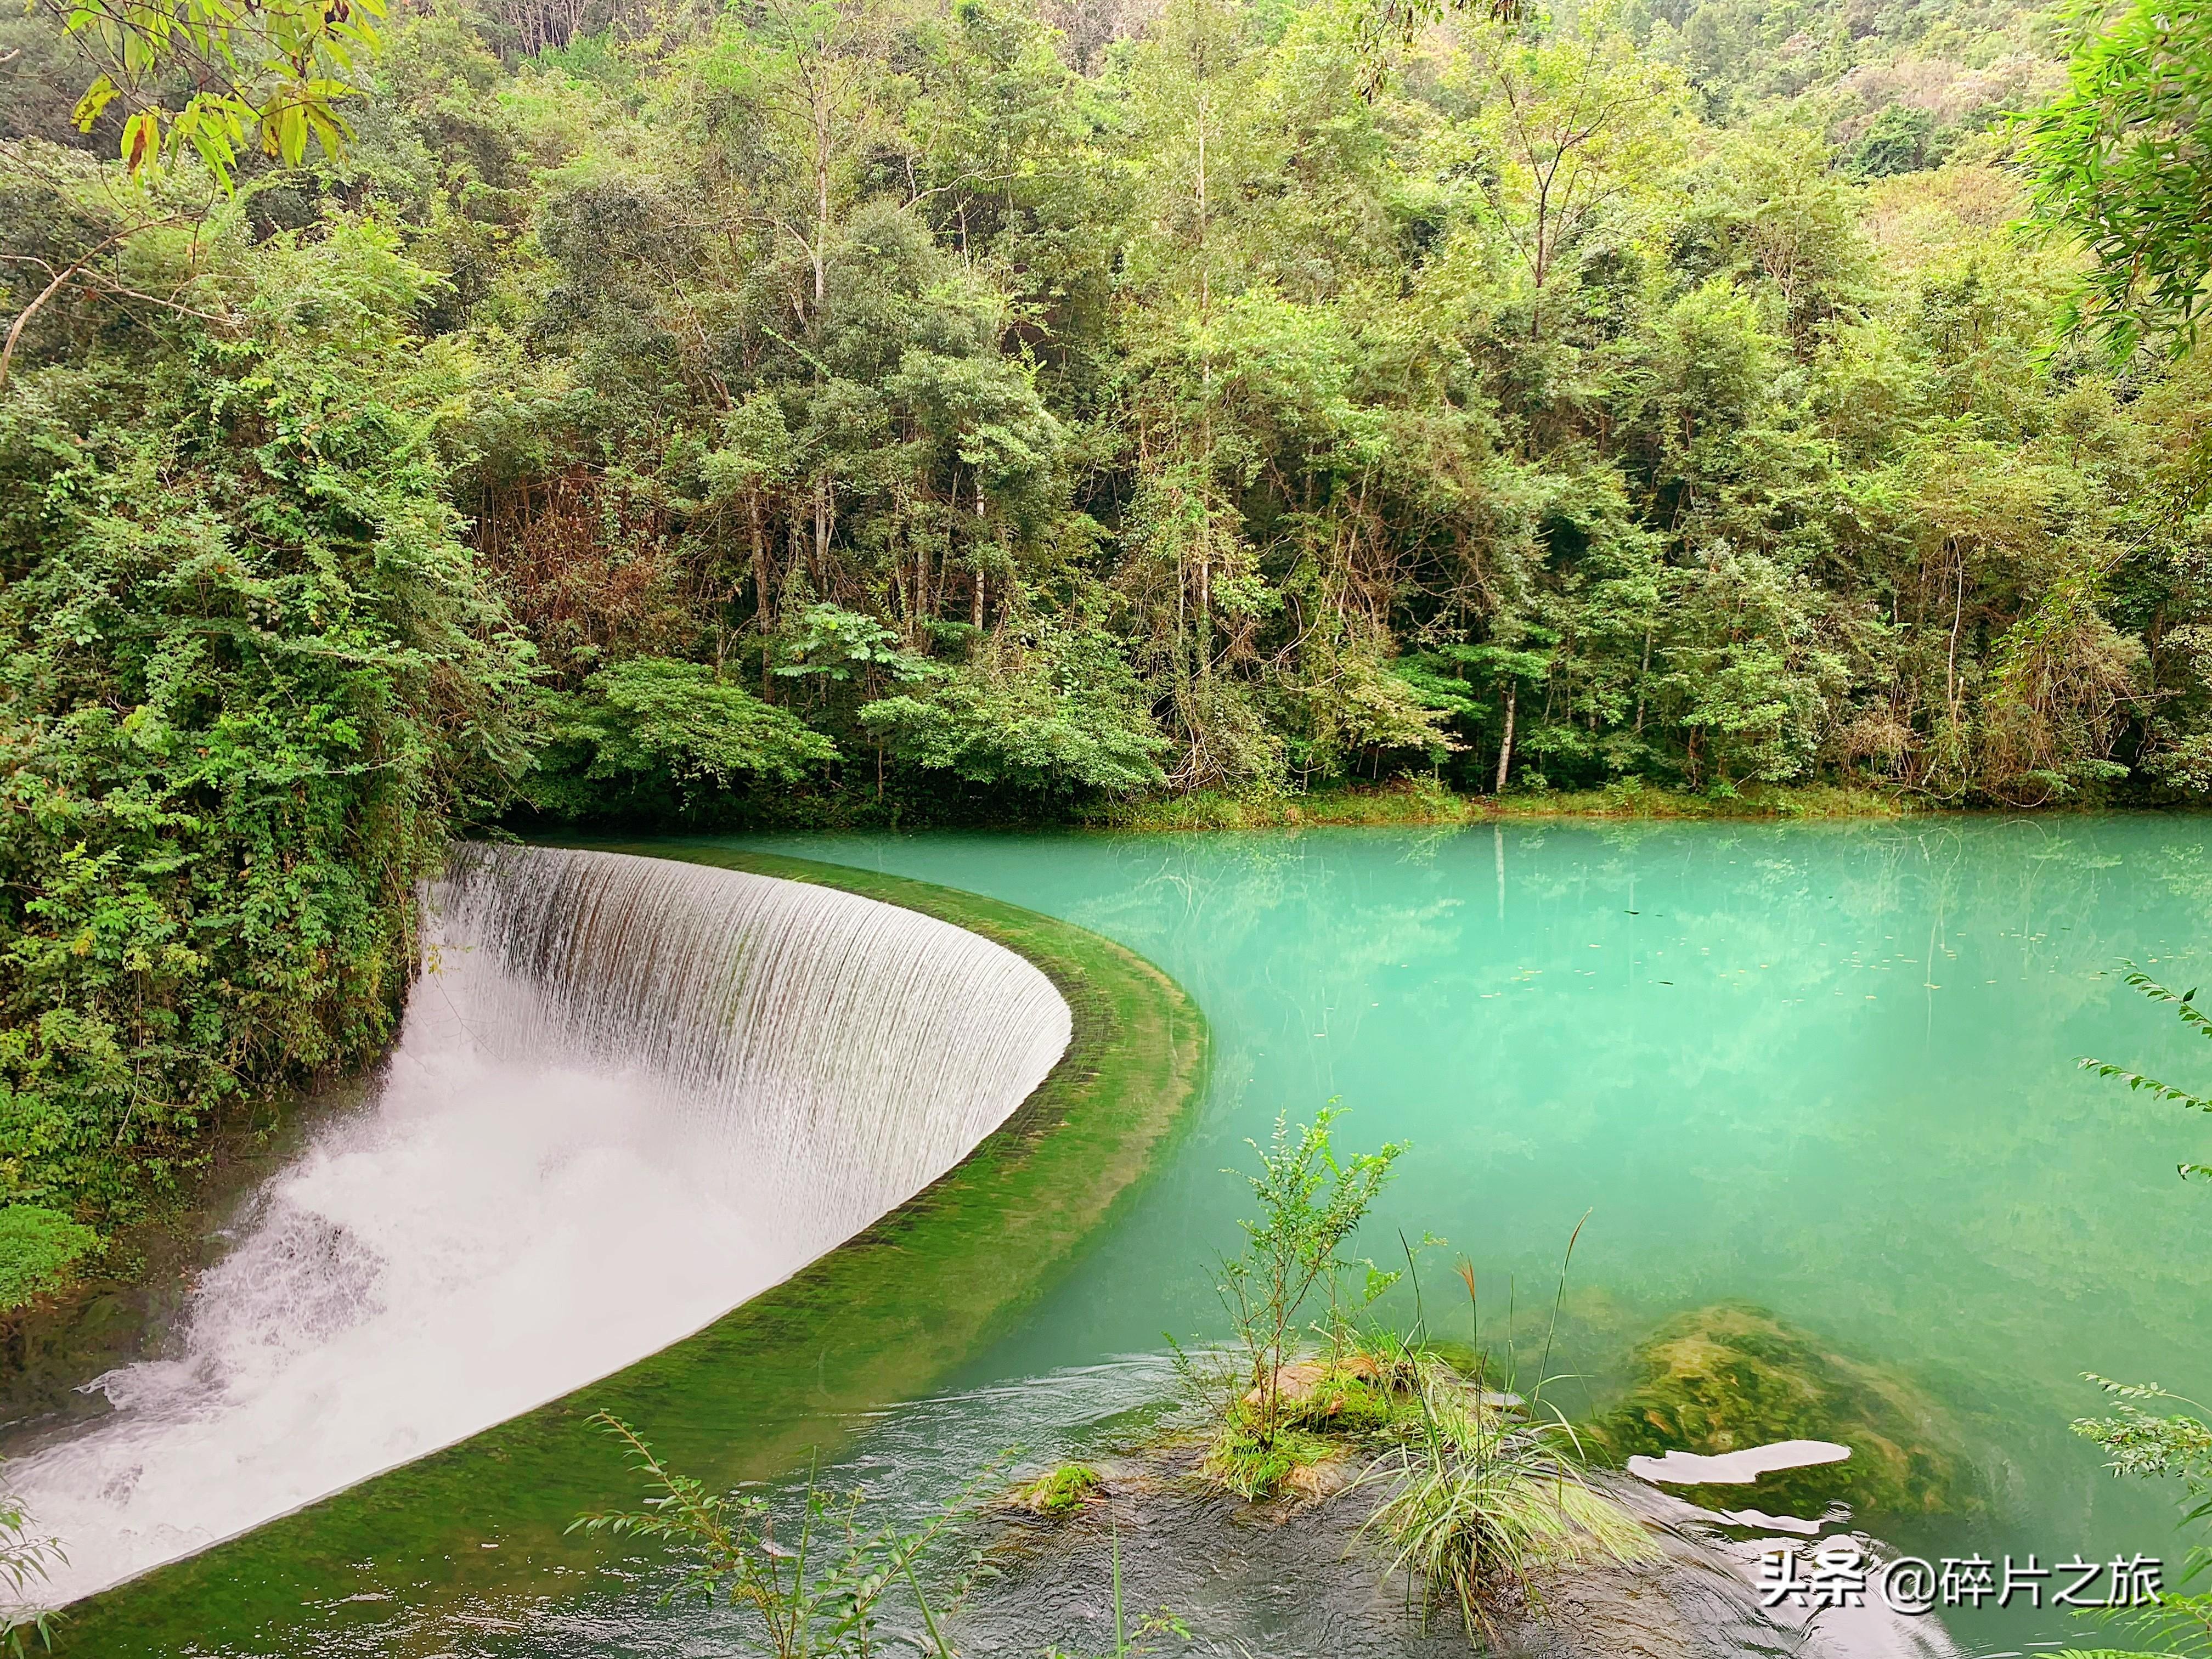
(1296, 1578)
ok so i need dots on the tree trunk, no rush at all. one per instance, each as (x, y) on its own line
(979, 551)
(821, 249)
(763, 617)
(1951, 660)
(1643, 674)
(1505, 747)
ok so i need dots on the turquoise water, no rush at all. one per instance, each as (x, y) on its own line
(1825, 1069)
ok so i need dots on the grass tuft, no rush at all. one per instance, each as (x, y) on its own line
(1061, 1491)
(1483, 1503)
(1241, 1461)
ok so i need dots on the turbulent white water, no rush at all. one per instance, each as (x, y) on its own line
(629, 1094)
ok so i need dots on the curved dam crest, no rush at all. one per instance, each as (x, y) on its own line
(629, 1094)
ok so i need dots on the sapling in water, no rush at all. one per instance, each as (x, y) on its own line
(816, 1592)
(1310, 1205)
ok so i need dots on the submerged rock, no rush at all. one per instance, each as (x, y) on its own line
(1727, 1379)
(1701, 1599)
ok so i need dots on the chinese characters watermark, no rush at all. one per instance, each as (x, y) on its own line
(1839, 1573)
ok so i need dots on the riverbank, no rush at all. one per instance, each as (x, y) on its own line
(480, 1527)
(1416, 801)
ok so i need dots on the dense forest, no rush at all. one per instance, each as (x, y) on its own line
(881, 410)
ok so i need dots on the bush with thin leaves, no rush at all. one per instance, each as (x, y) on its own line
(816, 1593)
(2120, 161)
(1310, 1204)
(2153, 1444)
(25, 1561)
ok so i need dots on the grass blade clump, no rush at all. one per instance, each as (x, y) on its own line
(1484, 1504)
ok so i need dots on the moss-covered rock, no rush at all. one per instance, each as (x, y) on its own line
(1061, 1492)
(1728, 1377)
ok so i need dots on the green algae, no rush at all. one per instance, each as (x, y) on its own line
(1729, 1377)
(480, 1526)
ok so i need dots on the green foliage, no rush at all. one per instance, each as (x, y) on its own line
(249, 675)
(2141, 1443)
(814, 1592)
(270, 75)
(1240, 1461)
(1061, 1491)
(1484, 1503)
(1897, 141)
(876, 411)
(1485, 1493)
(934, 361)
(2161, 1444)
(1056, 712)
(653, 737)
(1310, 1204)
(26, 1559)
(2120, 162)
(2184, 1004)
(38, 1247)
(1060, 422)
(829, 643)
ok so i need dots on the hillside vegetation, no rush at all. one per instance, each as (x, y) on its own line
(880, 410)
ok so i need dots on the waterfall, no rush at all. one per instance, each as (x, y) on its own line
(628, 1095)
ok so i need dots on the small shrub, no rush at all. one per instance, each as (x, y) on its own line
(1310, 1206)
(814, 1592)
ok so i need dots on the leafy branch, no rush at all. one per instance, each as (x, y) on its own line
(2184, 1004)
(816, 1592)
(270, 73)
